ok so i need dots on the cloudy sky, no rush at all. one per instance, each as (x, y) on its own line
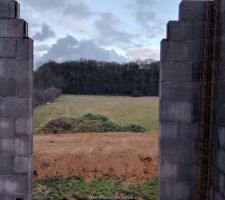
(110, 30)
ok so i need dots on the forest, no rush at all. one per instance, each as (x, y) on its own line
(89, 77)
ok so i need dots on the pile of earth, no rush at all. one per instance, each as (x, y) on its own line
(89, 123)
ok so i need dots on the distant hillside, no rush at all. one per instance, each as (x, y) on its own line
(100, 78)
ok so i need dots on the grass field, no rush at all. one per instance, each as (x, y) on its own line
(77, 188)
(120, 109)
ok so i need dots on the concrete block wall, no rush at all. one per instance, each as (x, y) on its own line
(16, 70)
(219, 151)
(181, 57)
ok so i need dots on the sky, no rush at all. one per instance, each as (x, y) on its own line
(105, 30)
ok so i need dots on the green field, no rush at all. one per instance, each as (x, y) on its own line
(77, 188)
(120, 109)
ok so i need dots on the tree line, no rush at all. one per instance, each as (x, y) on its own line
(89, 77)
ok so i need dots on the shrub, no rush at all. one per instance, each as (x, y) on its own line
(87, 123)
(41, 97)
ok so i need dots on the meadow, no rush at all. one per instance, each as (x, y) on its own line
(123, 110)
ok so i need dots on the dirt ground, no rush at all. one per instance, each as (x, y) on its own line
(127, 156)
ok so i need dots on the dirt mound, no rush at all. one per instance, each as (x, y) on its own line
(89, 123)
(127, 156)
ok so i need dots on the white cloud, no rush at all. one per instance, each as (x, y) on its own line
(45, 33)
(68, 48)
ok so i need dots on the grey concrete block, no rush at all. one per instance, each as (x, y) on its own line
(179, 91)
(180, 30)
(6, 146)
(24, 49)
(219, 114)
(6, 197)
(6, 165)
(6, 127)
(221, 137)
(220, 91)
(24, 88)
(218, 196)
(13, 184)
(12, 28)
(22, 146)
(192, 11)
(199, 30)
(179, 71)
(168, 170)
(11, 68)
(169, 130)
(221, 70)
(8, 9)
(175, 151)
(7, 48)
(220, 160)
(22, 165)
(176, 111)
(181, 51)
(23, 126)
(7, 87)
(24, 107)
(16, 107)
(188, 131)
(173, 190)
(186, 172)
(176, 71)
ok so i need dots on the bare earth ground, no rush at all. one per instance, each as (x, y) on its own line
(128, 156)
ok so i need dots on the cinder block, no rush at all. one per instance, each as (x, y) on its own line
(176, 111)
(175, 151)
(169, 130)
(7, 48)
(180, 30)
(7, 87)
(6, 197)
(13, 184)
(11, 68)
(22, 165)
(199, 30)
(217, 196)
(168, 170)
(188, 131)
(221, 70)
(173, 190)
(23, 126)
(186, 172)
(6, 127)
(179, 71)
(22, 146)
(15, 28)
(6, 165)
(24, 88)
(179, 91)
(181, 51)
(176, 71)
(192, 11)
(220, 160)
(8, 9)
(220, 91)
(24, 49)
(221, 134)
(16, 107)
(219, 114)
(6, 146)
(24, 107)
